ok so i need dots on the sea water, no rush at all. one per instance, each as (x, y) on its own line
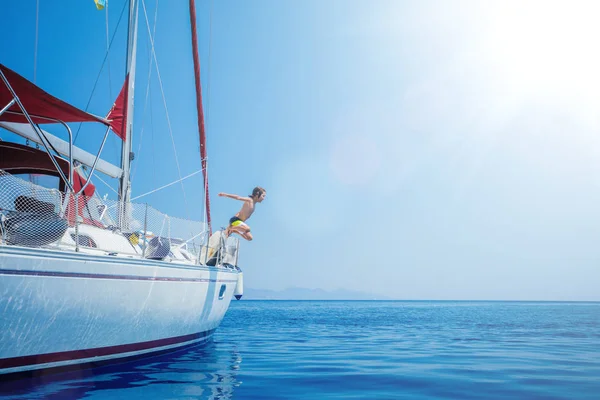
(364, 350)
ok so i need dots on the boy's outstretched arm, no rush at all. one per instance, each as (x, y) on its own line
(234, 196)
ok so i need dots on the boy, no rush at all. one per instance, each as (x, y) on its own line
(237, 223)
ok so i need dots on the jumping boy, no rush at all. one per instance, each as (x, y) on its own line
(237, 223)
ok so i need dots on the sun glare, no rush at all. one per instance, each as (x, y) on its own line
(546, 47)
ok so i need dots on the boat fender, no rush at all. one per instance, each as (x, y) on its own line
(239, 287)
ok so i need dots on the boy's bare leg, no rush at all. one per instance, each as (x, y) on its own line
(242, 230)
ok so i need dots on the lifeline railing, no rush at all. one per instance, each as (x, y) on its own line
(35, 216)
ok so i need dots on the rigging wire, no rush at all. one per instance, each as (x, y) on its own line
(166, 111)
(107, 61)
(152, 140)
(100, 179)
(108, 54)
(100, 72)
(106, 184)
(167, 185)
(37, 18)
(110, 96)
(147, 93)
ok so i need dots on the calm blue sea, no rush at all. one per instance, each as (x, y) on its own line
(367, 350)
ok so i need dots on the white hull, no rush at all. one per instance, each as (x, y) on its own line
(64, 308)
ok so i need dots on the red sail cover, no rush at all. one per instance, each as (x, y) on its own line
(118, 113)
(37, 103)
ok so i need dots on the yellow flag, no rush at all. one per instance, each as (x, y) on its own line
(100, 4)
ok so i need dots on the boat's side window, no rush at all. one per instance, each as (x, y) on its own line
(84, 240)
(47, 181)
(222, 291)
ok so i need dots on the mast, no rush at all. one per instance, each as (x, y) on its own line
(200, 111)
(126, 154)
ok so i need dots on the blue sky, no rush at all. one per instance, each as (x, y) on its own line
(417, 150)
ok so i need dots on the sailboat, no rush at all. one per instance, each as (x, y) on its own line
(84, 280)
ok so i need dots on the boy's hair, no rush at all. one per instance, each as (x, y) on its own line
(257, 191)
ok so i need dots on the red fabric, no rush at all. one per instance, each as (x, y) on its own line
(200, 111)
(37, 103)
(82, 202)
(118, 113)
(79, 181)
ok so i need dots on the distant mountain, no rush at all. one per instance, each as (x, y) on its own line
(297, 293)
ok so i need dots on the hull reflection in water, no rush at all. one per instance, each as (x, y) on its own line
(205, 371)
